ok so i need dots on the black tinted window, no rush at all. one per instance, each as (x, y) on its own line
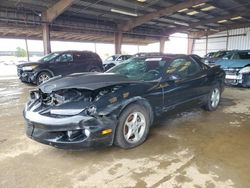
(244, 55)
(78, 57)
(183, 67)
(64, 58)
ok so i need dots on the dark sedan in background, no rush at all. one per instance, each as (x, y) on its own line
(118, 107)
(59, 63)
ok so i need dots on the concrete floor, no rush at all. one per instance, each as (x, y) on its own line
(192, 148)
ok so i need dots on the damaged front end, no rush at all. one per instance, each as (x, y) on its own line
(69, 118)
(238, 76)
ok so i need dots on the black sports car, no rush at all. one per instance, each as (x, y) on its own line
(96, 109)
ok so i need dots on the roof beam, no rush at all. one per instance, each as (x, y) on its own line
(224, 28)
(53, 12)
(154, 15)
(204, 23)
(216, 19)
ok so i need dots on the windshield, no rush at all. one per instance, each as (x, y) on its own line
(219, 54)
(48, 57)
(140, 68)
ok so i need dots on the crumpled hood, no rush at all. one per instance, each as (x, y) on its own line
(89, 81)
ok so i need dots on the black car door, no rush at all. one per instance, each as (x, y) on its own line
(62, 64)
(185, 81)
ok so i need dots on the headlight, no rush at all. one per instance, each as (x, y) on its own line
(29, 68)
(66, 112)
(91, 110)
(245, 70)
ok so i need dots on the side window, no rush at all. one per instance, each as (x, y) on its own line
(78, 57)
(127, 57)
(120, 58)
(244, 55)
(64, 58)
(183, 67)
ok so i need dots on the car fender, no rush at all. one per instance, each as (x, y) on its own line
(117, 108)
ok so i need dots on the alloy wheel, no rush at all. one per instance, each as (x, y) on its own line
(215, 98)
(43, 77)
(134, 127)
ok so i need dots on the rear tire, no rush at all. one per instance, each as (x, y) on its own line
(133, 127)
(213, 99)
(95, 69)
(42, 77)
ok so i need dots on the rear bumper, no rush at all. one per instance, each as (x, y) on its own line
(74, 132)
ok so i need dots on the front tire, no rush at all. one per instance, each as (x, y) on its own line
(133, 127)
(42, 77)
(213, 99)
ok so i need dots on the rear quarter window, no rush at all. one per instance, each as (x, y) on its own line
(244, 55)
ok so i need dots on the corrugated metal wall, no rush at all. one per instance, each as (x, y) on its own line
(238, 39)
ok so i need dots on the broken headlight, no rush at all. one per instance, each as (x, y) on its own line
(245, 70)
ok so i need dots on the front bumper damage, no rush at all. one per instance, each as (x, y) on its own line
(235, 77)
(69, 132)
(26, 76)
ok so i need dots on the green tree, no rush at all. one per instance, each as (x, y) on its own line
(20, 52)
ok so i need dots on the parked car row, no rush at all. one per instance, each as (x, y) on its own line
(64, 63)
(235, 63)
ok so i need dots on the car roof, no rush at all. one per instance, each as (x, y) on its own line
(72, 51)
(156, 54)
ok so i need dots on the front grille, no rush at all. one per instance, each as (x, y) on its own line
(231, 82)
(231, 71)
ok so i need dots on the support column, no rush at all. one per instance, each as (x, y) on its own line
(46, 39)
(162, 44)
(190, 44)
(27, 49)
(118, 43)
(227, 40)
(95, 47)
(206, 44)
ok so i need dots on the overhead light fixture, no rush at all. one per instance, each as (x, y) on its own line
(199, 5)
(236, 18)
(222, 21)
(142, 1)
(124, 12)
(192, 13)
(181, 23)
(208, 8)
(183, 10)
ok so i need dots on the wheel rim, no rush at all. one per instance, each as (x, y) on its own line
(43, 77)
(134, 127)
(215, 97)
(94, 70)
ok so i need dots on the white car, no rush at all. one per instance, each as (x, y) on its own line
(114, 60)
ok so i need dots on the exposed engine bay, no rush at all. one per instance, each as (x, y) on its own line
(57, 98)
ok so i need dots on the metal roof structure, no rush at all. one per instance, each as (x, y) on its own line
(140, 21)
